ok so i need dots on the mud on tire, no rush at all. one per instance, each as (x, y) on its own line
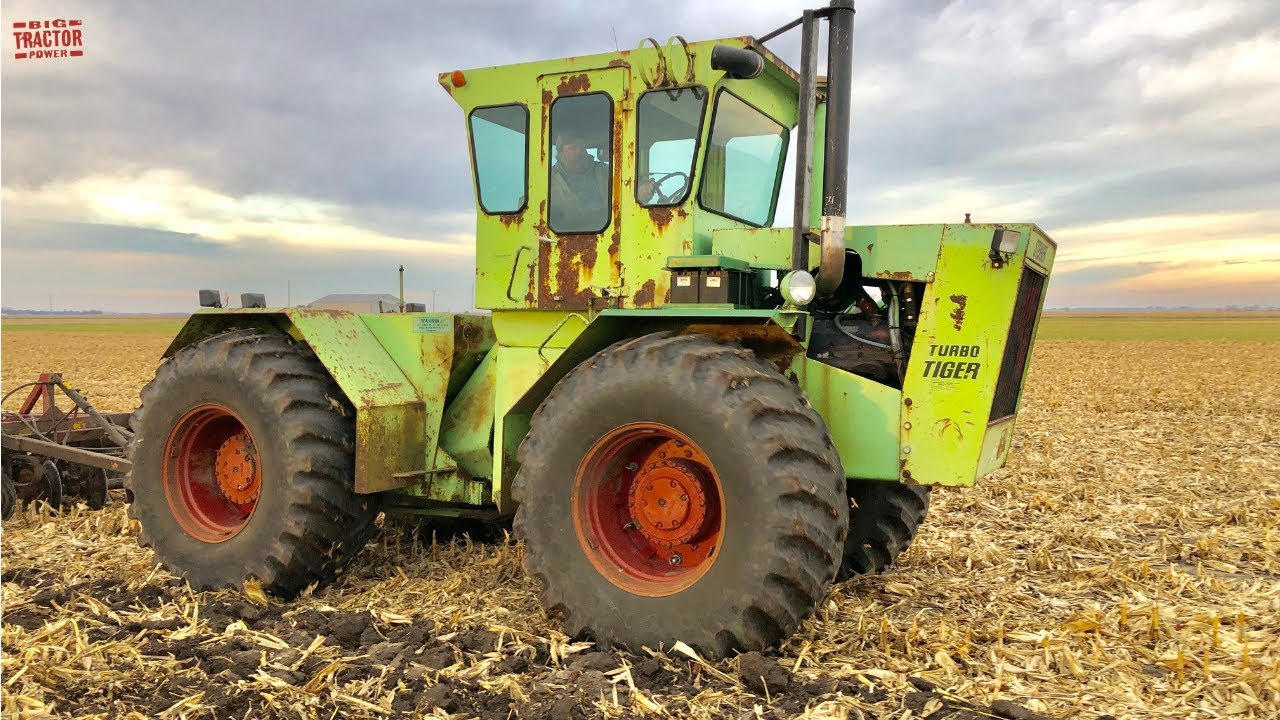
(784, 494)
(307, 522)
(883, 521)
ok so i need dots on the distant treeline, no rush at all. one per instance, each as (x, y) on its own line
(16, 311)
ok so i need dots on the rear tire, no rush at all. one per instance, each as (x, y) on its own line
(883, 522)
(261, 406)
(774, 495)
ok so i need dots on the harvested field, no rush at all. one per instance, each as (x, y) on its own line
(110, 359)
(1126, 563)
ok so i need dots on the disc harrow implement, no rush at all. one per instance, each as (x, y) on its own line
(58, 456)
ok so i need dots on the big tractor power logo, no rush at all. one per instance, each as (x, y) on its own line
(48, 39)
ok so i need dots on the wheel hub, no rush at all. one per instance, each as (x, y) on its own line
(212, 473)
(237, 469)
(648, 509)
(667, 501)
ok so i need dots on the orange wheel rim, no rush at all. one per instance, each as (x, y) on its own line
(648, 509)
(212, 473)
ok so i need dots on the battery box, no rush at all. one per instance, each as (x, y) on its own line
(710, 280)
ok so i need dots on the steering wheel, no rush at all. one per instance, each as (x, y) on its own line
(667, 198)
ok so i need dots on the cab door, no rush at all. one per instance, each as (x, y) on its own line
(586, 178)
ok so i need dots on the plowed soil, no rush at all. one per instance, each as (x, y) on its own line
(1126, 563)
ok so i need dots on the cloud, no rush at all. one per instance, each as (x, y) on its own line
(169, 202)
(300, 133)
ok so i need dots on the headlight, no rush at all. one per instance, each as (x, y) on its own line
(798, 288)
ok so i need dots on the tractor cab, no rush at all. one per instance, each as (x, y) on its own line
(594, 174)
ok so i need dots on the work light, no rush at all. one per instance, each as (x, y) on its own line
(1003, 243)
(798, 288)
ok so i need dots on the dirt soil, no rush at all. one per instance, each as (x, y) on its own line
(1125, 564)
(445, 628)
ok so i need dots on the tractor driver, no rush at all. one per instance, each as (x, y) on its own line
(580, 186)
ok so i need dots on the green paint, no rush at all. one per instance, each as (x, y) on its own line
(706, 261)
(390, 415)
(522, 263)
(425, 361)
(768, 248)
(955, 362)
(861, 415)
(466, 430)
(518, 368)
(897, 252)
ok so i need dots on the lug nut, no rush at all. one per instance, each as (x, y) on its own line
(675, 559)
(662, 502)
(684, 498)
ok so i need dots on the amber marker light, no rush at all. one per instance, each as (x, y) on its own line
(457, 78)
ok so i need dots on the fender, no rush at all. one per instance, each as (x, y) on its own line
(391, 415)
(541, 348)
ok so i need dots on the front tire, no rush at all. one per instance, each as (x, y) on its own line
(674, 487)
(243, 464)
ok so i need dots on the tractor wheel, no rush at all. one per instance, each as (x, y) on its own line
(882, 523)
(8, 496)
(243, 463)
(674, 487)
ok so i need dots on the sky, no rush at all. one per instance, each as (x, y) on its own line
(301, 148)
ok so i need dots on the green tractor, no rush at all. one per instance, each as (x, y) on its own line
(697, 421)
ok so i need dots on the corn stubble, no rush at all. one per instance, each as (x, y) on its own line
(1127, 562)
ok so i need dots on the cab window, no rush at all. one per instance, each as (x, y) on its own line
(500, 151)
(668, 124)
(744, 160)
(581, 178)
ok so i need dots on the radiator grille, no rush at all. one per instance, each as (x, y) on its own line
(1018, 344)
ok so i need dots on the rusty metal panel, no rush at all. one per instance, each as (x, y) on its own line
(445, 482)
(896, 252)
(466, 431)
(959, 347)
(421, 347)
(390, 414)
(521, 263)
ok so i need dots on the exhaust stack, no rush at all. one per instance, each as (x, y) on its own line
(835, 164)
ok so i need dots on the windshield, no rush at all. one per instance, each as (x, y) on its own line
(744, 162)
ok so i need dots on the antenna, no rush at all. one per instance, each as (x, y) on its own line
(615, 38)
